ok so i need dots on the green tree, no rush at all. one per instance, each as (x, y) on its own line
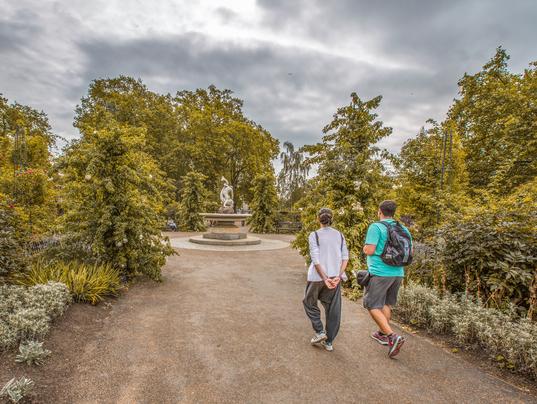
(264, 204)
(292, 178)
(221, 141)
(432, 177)
(496, 117)
(114, 195)
(351, 177)
(193, 202)
(203, 129)
(26, 141)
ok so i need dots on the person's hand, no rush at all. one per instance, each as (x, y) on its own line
(336, 280)
(329, 284)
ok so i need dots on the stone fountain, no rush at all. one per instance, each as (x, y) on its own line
(226, 228)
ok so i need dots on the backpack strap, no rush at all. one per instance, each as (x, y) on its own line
(318, 244)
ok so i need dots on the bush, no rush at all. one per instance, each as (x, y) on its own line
(32, 353)
(26, 313)
(509, 339)
(11, 253)
(16, 389)
(414, 304)
(87, 282)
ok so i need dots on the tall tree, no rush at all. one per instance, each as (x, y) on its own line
(351, 178)
(26, 141)
(193, 202)
(264, 204)
(221, 141)
(496, 116)
(293, 175)
(114, 196)
(203, 130)
(432, 176)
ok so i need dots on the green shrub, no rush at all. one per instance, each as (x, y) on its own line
(414, 304)
(16, 389)
(509, 339)
(26, 313)
(87, 282)
(12, 255)
(32, 353)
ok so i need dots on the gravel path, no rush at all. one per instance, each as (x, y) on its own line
(229, 327)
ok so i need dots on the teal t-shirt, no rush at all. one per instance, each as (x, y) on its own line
(377, 234)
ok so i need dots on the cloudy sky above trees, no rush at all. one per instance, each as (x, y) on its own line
(292, 62)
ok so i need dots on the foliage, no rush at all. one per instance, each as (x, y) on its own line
(350, 177)
(193, 202)
(432, 177)
(26, 313)
(201, 129)
(89, 283)
(264, 204)
(114, 194)
(496, 116)
(292, 178)
(32, 353)
(25, 159)
(16, 389)
(510, 340)
(12, 256)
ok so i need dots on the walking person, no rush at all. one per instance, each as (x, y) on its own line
(388, 246)
(329, 258)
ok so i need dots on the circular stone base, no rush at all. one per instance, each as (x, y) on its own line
(225, 236)
(206, 241)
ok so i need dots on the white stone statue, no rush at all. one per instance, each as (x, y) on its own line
(226, 195)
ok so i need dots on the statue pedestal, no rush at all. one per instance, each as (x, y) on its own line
(226, 229)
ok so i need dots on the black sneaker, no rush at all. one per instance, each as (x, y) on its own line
(395, 342)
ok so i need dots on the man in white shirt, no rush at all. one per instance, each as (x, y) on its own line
(329, 258)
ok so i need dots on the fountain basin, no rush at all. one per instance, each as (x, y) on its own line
(226, 229)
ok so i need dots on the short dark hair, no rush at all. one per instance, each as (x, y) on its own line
(325, 216)
(388, 208)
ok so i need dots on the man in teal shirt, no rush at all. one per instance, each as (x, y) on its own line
(385, 280)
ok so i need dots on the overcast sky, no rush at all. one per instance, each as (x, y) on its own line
(292, 62)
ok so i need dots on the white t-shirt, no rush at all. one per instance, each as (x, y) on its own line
(330, 252)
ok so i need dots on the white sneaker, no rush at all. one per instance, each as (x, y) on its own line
(327, 345)
(320, 337)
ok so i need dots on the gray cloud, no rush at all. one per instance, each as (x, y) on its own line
(412, 53)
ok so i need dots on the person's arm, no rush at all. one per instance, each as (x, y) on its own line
(344, 257)
(371, 239)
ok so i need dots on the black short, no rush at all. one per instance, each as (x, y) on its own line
(381, 291)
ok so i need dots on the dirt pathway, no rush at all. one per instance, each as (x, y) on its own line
(229, 327)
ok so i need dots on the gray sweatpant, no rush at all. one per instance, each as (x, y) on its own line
(331, 300)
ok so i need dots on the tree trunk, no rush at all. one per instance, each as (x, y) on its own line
(532, 310)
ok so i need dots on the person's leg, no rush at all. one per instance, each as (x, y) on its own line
(387, 311)
(331, 300)
(395, 342)
(310, 305)
(381, 320)
(375, 301)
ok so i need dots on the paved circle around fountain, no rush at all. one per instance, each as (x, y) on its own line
(266, 244)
